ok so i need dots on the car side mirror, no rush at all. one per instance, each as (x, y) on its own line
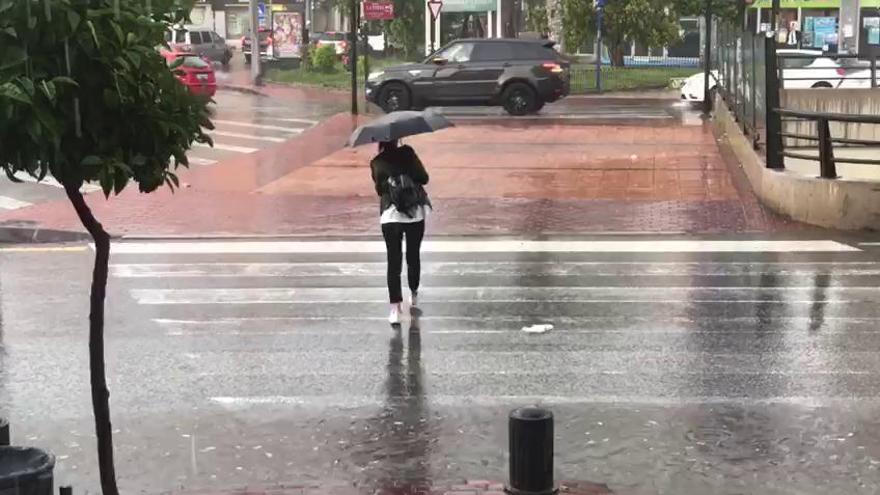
(439, 61)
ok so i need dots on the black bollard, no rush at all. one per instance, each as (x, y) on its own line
(65, 490)
(531, 452)
(4, 433)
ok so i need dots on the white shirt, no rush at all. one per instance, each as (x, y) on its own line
(391, 215)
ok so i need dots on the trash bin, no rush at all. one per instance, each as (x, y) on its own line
(25, 471)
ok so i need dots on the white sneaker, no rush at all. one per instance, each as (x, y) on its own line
(414, 299)
(394, 317)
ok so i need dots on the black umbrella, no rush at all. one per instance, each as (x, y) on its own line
(398, 125)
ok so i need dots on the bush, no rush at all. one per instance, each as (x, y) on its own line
(324, 59)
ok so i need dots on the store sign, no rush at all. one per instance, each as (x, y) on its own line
(378, 10)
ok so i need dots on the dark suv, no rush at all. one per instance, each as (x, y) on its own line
(520, 75)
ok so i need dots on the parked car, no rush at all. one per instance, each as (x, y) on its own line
(338, 40)
(201, 41)
(195, 72)
(520, 75)
(267, 45)
(800, 69)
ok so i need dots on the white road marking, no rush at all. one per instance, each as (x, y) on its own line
(50, 181)
(293, 130)
(497, 268)
(508, 295)
(488, 246)
(248, 136)
(194, 160)
(289, 119)
(226, 147)
(7, 203)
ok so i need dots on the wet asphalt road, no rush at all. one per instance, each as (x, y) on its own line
(668, 371)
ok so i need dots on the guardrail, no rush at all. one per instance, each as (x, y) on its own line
(826, 142)
(820, 70)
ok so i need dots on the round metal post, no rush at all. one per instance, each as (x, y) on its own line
(531, 452)
(4, 432)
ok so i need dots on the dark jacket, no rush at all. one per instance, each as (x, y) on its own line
(391, 163)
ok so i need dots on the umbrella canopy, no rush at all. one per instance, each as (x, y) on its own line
(397, 125)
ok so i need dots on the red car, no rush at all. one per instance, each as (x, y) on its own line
(196, 73)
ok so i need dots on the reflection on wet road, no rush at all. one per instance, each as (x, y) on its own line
(698, 372)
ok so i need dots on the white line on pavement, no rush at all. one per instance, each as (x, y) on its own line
(496, 268)
(288, 119)
(7, 203)
(194, 160)
(226, 147)
(50, 181)
(248, 136)
(294, 130)
(487, 246)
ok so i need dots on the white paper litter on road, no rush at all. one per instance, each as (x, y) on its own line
(544, 328)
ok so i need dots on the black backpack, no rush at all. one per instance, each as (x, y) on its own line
(405, 194)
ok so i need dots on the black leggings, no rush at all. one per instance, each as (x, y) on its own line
(394, 234)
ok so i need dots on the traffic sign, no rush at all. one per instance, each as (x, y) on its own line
(261, 11)
(381, 10)
(436, 6)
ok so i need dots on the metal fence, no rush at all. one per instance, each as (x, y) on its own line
(740, 68)
(751, 74)
(637, 73)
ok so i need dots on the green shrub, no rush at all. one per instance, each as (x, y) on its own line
(324, 59)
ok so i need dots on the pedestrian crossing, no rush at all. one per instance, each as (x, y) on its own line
(244, 134)
(283, 324)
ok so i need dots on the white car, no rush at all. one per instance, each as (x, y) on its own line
(808, 70)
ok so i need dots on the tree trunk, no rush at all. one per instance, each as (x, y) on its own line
(617, 55)
(100, 394)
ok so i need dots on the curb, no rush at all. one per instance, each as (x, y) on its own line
(241, 89)
(36, 235)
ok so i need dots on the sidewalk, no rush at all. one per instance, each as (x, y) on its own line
(542, 179)
(467, 488)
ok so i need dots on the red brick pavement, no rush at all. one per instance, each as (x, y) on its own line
(544, 179)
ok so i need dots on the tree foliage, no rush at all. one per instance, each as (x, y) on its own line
(85, 95)
(407, 30)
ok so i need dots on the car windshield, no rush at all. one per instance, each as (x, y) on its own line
(796, 63)
(191, 61)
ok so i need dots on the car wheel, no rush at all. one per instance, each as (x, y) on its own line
(394, 97)
(519, 99)
(821, 84)
(226, 58)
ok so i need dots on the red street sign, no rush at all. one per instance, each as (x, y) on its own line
(436, 6)
(378, 10)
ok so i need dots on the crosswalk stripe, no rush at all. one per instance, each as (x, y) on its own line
(509, 246)
(194, 160)
(50, 181)
(292, 120)
(248, 136)
(7, 203)
(294, 130)
(496, 268)
(227, 147)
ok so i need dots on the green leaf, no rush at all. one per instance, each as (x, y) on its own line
(73, 18)
(121, 179)
(10, 31)
(49, 90)
(105, 178)
(91, 161)
(94, 34)
(176, 63)
(13, 92)
(65, 80)
(12, 56)
(27, 85)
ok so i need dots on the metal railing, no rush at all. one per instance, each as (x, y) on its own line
(827, 161)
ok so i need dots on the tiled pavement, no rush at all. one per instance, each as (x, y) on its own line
(541, 179)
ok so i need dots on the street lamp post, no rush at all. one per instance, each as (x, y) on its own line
(600, 12)
(353, 55)
(255, 42)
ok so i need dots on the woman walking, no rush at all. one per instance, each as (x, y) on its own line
(399, 177)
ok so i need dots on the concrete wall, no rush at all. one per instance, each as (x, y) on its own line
(839, 203)
(851, 101)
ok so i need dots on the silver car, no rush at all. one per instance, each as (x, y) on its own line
(201, 41)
